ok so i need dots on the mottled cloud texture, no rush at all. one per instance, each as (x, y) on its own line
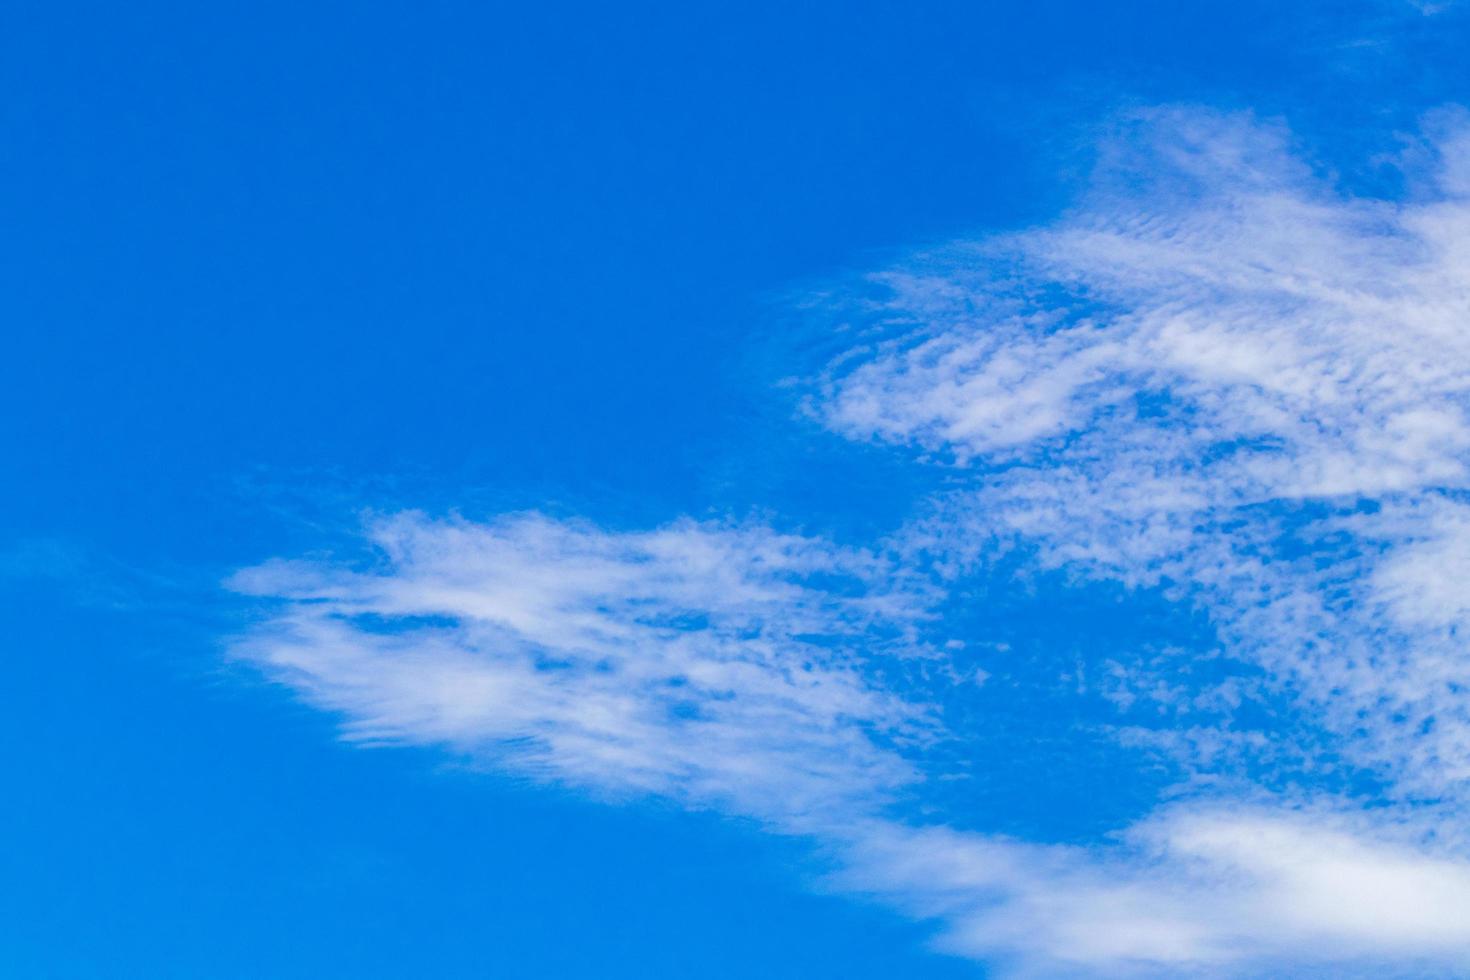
(1218, 380)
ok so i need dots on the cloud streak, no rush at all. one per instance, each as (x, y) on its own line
(698, 662)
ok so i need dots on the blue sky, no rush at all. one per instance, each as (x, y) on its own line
(735, 490)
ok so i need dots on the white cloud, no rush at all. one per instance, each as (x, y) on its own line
(1423, 579)
(1218, 377)
(1320, 336)
(1202, 891)
(1219, 373)
(730, 667)
(698, 662)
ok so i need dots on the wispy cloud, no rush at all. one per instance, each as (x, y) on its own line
(1199, 891)
(714, 664)
(1233, 381)
(736, 668)
(1218, 378)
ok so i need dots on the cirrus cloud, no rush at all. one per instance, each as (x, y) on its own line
(1218, 379)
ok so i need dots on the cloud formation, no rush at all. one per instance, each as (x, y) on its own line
(1219, 378)
(1235, 381)
(713, 664)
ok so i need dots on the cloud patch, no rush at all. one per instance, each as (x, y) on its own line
(713, 664)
